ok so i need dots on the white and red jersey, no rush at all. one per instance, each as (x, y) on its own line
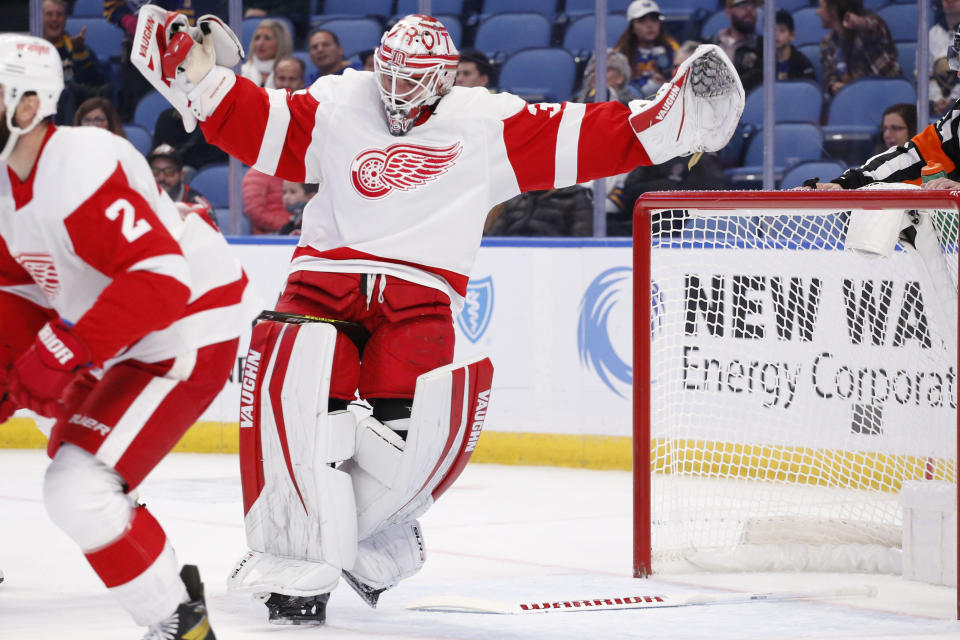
(414, 206)
(90, 237)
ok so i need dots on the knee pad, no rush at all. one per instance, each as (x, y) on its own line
(86, 498)
(298, 506)
(394, 480)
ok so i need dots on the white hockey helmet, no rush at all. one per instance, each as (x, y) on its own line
(28, 65)
(415, 65)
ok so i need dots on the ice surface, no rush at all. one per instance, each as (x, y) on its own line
(503, 533)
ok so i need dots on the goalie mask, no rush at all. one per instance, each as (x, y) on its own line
(415, 65)
(27, 65)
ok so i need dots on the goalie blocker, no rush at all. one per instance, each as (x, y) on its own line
(323, 494)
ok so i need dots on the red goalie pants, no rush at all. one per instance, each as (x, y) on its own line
(132, 417)
(411, 329)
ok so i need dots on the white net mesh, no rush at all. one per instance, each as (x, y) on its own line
(794, 387)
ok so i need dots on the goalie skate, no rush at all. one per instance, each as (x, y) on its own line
(697, 111)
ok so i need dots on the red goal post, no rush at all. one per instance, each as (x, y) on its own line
(743, 205)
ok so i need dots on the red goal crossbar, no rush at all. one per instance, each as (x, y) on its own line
(746, 201)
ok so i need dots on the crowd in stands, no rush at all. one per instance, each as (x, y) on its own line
(833, 45)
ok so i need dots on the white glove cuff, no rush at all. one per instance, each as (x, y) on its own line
(207, 95)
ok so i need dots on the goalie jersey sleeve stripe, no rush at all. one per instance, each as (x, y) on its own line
(278, 121)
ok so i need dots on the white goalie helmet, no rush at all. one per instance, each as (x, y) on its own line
(28, 65)
(415, 65)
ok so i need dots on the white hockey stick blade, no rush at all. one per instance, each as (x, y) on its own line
(459, 604)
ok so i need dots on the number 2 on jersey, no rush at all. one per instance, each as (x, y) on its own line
(129, 226)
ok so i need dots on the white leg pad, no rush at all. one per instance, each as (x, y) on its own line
(396, 481)
(390, 555)
(300, 510)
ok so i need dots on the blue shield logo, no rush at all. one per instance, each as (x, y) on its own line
(477, 308)
(593, 335)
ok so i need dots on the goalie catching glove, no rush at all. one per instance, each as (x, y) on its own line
(189, 66)
(698, 110)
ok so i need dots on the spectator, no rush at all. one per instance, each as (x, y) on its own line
(296, 11)
(99, 112)
(791, 64)
(192, 147)
(944, 87)
(82, 75)
(263, 202)
(296, 195)
(741, 42)
(167, 166)
(649, 49)
(858, 45)
(366, 58)
(898, 124)
(271, 41)
(326, 54)
(618, 75)
(290, 73)
(556, 212)
(474, 69)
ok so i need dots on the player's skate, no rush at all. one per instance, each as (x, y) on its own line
(307, 610)
(190, 620)
(696, 111)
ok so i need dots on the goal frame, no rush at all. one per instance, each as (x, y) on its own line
(747, 201)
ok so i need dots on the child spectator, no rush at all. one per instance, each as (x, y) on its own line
(791, 64)
(648, 47)
(99, 112)
(858, 44)
(296, 195)
(271, 41)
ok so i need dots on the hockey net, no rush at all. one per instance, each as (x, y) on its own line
(786, 388)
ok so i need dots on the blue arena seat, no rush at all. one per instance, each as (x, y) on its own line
(213, 181)
(907, 55)
(148, 109)
(454, 28)
(873, 5)
(511, 32)
(794, 101)
(437, 7)
(812, 51)
(713, 24)
(355, 34)
(88, 9)
(808, 27)
(794, 5)
(579, 35)
(794, 142)
(382, 8)
(902, 20)
(539, 75)
(578, 8)
(139, 136)
(823, 170)
(546, 8)
(105, 39)
(858, 106)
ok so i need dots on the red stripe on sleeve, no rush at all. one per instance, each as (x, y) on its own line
(530, 136)
(303, 116)
(133, 553)
(608, 146)
(239, 122)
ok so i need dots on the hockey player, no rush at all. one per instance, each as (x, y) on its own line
(408, 167)
(121, 320)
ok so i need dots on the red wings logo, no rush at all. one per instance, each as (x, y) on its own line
(405, 167)
(41, 268)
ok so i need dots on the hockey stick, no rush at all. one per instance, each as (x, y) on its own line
(457, 604)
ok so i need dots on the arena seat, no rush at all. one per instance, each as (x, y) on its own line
(579, 8)
(213, 181)
(907, 55)
(794, 101)
(823, 170)
(546, 8)
(148, 109)
(808, 27)
(355, 34)
(901, 19)
(539, 74)
(859, 105)
(511, 32)
(794, 142)
(579, 35)
(812, 51)
(104, 38)
(139, 136)
(88, 9)
(249, 25)
(359, 8)
(438, 7)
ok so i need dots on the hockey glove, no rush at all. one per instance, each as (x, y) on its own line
(7, 405)
(41, 375)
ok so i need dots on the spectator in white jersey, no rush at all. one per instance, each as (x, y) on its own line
(408, 165)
